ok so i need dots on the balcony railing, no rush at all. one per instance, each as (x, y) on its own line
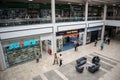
(69, 19)
(113, 18)
(94, 18)
(16, 22)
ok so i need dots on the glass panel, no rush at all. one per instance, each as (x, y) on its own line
(88, 37)
(99, 34)
(59, 45)
(16, 53)
(81, 35)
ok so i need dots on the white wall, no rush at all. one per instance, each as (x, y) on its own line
(46, 37)
(70, 27)
(24, 27)
(15, 34)
(112, 23)
(95, 23)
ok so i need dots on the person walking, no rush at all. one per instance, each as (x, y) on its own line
(60, 58)
(95, 42)
(108, 41)
(75, 45)
(40, 55)
(102, 45)
(37, 58)
(55, 59)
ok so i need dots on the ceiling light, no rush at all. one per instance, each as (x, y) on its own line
(30, 0)
(80, 4)
(114, 4)
(69, 3)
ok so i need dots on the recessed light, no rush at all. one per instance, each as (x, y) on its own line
(30, 0)
(69, 3)
(80, 4)
(114, 4)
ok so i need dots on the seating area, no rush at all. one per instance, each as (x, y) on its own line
(92, 68)
(80, 62)
(95, 60)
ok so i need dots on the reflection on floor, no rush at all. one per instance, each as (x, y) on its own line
(68, 46)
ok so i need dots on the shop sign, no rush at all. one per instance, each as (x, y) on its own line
(22, 44)
(69, 32)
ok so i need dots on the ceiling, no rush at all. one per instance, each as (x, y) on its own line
(70, 1)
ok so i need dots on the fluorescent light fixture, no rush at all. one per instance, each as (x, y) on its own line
(30, 0)
(69, 3)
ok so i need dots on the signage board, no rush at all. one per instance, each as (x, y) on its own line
(21, 44)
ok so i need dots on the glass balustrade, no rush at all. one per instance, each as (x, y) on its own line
(17, 22)
(69, 19)
(94, 18)
(113, 18)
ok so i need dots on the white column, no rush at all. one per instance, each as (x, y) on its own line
(54, 26)
(86, 17)
(41, 47)
(2, 59)
(104, 18)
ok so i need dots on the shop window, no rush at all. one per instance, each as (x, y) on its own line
(19, 52)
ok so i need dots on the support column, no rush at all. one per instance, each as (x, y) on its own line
(2, 59)
(54, 27)
(104, 18)
(86, 18)
(41, 47)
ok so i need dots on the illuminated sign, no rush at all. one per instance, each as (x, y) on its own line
(22, 44)
(70, 32)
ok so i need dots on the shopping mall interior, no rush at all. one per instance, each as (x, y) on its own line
(46, 27)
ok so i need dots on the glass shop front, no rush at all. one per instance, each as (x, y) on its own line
(20, 50)
(65, 39)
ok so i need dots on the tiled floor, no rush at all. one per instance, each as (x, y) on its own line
(110, 65)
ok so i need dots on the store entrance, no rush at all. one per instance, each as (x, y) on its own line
(94, 36)
(68, 41)
(46, 47)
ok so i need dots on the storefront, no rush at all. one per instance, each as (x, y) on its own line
(46, 44)
(93, 34)
(65, 40)
(19, 50)
(110, 31)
